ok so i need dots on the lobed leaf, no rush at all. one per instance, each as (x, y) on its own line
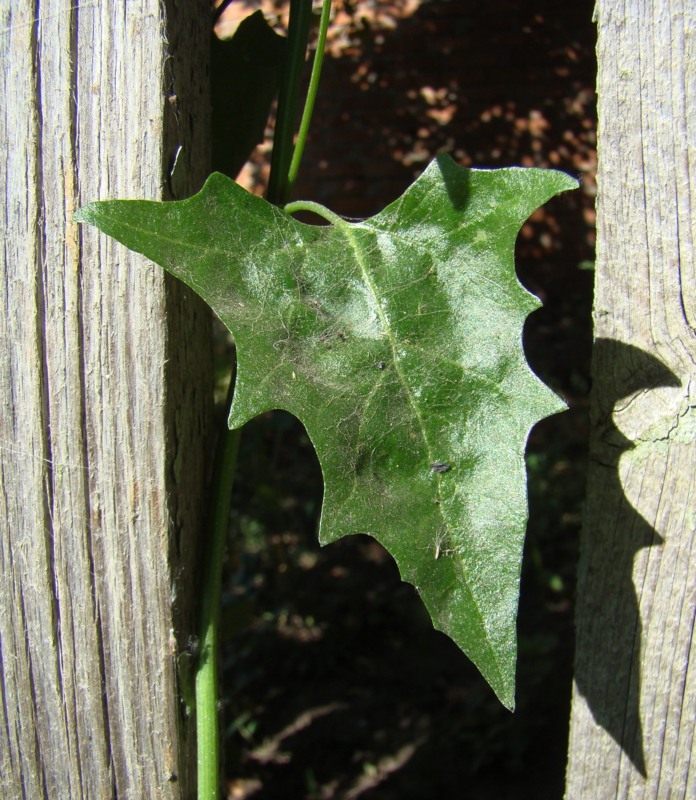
(396, 341)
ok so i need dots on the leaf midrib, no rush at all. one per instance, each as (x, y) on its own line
(355, 246)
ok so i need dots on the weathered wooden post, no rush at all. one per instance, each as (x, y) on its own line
(104, 385)
(634, 700)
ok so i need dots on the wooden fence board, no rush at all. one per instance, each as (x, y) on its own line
(104, 379)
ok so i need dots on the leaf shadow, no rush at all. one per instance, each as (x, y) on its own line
(456, 182)
(609, 629)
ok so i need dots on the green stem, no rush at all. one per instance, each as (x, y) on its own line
(315, 208)
(311, 95)
(298, 34)
(207, 727)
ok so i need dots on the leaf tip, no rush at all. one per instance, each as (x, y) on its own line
(504, 690)
(566, 181)
(90, 214)
(82, 214)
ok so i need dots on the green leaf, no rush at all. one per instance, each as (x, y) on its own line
(397, 343)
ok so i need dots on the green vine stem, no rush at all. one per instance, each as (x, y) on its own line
(207, 726)
(279, 188)
(298, 35)
(315, 208)
(311, 95)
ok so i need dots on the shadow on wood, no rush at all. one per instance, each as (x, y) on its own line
(609, 629)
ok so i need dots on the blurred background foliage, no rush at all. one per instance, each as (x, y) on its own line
(334, 685)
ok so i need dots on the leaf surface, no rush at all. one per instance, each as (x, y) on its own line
(397, 342)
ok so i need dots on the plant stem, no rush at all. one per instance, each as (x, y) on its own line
(207, 726)
(311, 96)
(298, 34)
(279, 187)
(315, 208)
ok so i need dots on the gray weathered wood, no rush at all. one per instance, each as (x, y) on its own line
(104, 378)
(634, 699)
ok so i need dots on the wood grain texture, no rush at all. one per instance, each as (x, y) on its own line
(104, 379)
(634, 698)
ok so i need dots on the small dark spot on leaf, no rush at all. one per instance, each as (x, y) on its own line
(440, 466)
